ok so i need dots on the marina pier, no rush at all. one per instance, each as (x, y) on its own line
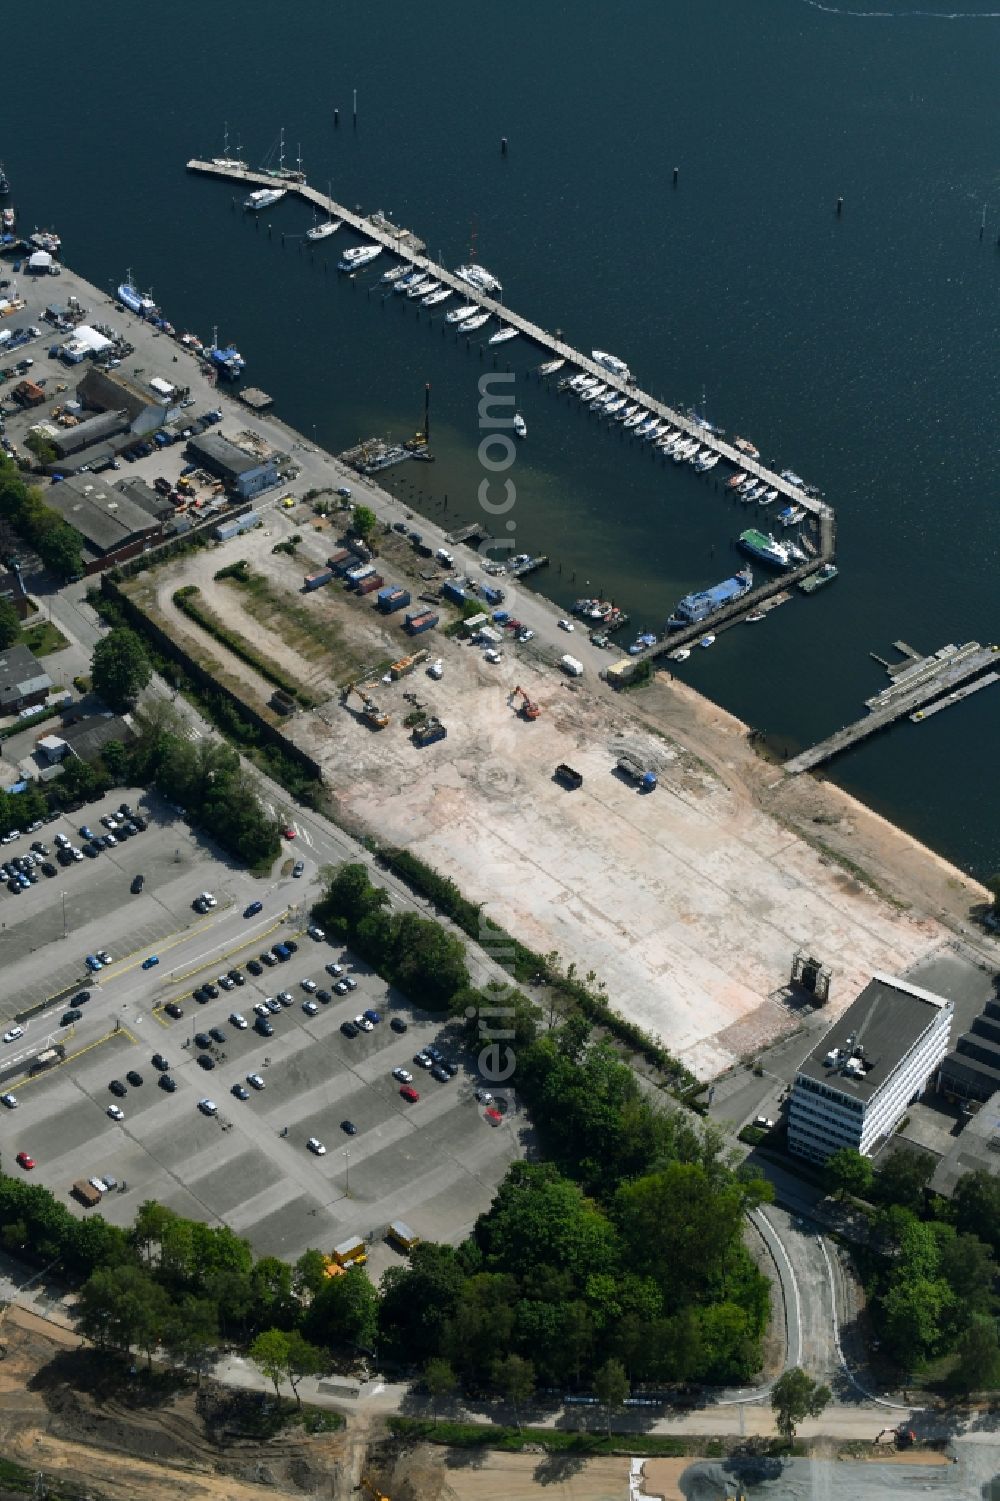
(920, 687)
(407, 247)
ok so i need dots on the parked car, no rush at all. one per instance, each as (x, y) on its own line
(397, 1024)
(316, 1146)
(409, 1093)
(115, 1112)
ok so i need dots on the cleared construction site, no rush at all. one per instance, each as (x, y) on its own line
(647, 866)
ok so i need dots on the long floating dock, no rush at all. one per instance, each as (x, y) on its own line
(918, 689)
(404, 244)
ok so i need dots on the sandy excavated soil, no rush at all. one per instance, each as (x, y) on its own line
(689, 903)
(50, 1421)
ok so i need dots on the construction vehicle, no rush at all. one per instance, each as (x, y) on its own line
(373, 716)
(430, 730)
(630, 767)
(528, 709)
(569, 778)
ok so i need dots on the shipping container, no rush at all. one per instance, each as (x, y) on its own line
(489, 637)
(233, 528)
(317, 580)
(571, 665)
(86, 1193)
(393, 598)
(359, 572)
(402, 1236)
(452, 591)
(369, 585)
(421, 620)
(340, 559)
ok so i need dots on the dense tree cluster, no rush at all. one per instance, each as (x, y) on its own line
(207, 779)
(55, 541)
(625, 1245)
(933, 1279)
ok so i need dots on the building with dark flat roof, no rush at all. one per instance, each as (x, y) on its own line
(23, 680)
(245, 473)
(971, 1071)
(852, 1090)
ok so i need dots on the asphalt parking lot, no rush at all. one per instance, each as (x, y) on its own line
(49, 929)
(434, 1163)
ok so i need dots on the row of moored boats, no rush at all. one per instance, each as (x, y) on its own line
(672, 442)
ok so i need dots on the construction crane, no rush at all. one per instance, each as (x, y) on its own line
(370, 712)
(528, 709)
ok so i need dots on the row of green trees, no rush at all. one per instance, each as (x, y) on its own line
(57, 543)
(930, 1267)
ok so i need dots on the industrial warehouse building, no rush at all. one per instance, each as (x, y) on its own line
(110, 391)
(244, 473)
(94, 430)
(853, 1089)
(113, 526)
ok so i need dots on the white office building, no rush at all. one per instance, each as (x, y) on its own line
(854, 1088)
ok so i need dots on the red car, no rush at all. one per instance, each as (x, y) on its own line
(288, 833)
(409, 1093)
(23, 1160)
(494, 1117)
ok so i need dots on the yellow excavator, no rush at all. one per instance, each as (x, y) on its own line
(372, 715)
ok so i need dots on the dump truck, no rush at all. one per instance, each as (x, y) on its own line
(86, 1193)
(568, 776)
(629, 766)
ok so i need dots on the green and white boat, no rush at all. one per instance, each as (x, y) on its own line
(824, 575)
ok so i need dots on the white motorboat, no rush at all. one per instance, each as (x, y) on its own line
(471, 324)
(520, 426)
(502, 335)
(360, 255)
(611, 362)
(414, 279)
(422, 287)
(436, 298)
(263, 198)
(595, 395)
(611, 407)
(477, 276)
(768, 498)
(394, 272)
(551, 366)
(680, 655)
(707, 641)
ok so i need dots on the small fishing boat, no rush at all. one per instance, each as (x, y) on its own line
(520, 426)
(680, 655)
(707, 641)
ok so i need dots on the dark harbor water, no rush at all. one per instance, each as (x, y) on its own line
(860, 350)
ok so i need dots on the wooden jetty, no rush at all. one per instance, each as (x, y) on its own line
(917, 689)
(408, 248)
